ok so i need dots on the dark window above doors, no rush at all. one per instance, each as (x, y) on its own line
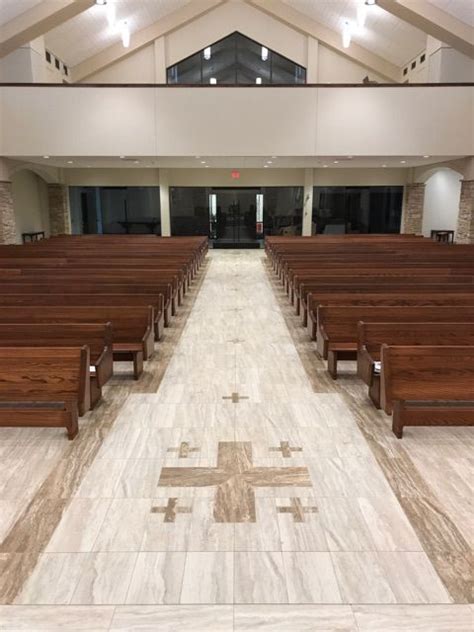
(236, 60)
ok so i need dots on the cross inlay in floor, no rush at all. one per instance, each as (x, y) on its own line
(171, 510)
(235, 478)
(297, 509)
(285, 449)
(183, 450)
(235, 397)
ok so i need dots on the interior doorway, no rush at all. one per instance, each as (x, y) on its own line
(236, 217)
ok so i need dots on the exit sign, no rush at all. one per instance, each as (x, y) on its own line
(235, 174)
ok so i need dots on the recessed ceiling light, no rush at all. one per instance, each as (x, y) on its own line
(46, 157)
(426, 156)
(273, 157)
(349, 157)
(122, 157)
(203, 162)
(403, 162)
(336, 162)
(207, 166)
(213, 81)
(136, 162)
(269, 162)
(265, 166)
(384, 165)
(325, 166)
(101, 2)
(69, 162)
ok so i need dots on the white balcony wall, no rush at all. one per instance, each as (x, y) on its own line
(108, 121)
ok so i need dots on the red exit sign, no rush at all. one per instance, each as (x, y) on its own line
(235, 174)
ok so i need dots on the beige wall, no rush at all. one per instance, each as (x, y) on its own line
(251, 121)
(335, 68)
(30, 203)
(137, 68)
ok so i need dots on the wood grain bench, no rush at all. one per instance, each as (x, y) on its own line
(427, 386)
(397, 299)
(373, 335)
(337, 332)
(44, 386)
(97, 337)
(133, 335)
(123, 300)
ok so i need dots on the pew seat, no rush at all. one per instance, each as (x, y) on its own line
(44, 386)
(371, 337)
(97, 337)
(427, 385)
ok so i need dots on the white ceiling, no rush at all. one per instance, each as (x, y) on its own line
(239, 162)
(10, 9)
(89, 33)
(383, 33)
(461, 9)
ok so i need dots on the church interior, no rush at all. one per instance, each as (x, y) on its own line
(237, 315)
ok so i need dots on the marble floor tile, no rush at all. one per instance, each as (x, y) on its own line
(123, 526)
(80, 525)
(105, 578)
(260, 578)
(305, 618)
(102, 479)
(193, 618)
(438, 618)
(208, 578)
(310, 578)
(49, 618)
(157, 578)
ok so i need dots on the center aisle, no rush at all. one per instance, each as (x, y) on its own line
(236, 483)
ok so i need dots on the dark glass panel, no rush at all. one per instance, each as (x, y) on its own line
(357, 209)
(189, 209)
(235, 60)
(282, 210)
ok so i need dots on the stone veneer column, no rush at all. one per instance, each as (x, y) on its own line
(413, 208)
(465, 227)
(59, 212)
(7, 215)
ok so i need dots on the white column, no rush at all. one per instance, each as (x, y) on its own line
(308, 202)
(165, 204)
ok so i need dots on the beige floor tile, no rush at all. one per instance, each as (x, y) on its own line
(104, 579)
(193, 618)
(102, 479)
(305, 618)
(362, 578)
(310, 578)
(123, 526)
(157, 578)
(79, 526)
(49, 618)
(455, 618)
(208, 578)
(260, 578)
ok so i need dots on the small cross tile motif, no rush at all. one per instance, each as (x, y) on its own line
(236, 341)
(171, 510)
(297, 509)
(286, 450)
(184, 450)
(235, 397)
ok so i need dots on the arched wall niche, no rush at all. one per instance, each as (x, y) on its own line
(441, 201)
(30, 199)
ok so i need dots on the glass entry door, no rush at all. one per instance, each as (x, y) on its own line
(235, 216)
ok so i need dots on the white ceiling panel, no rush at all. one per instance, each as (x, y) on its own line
(383, 33)
(463, 10)
(10, 9)
(89, 33)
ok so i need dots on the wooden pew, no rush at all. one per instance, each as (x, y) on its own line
(97, 337)
(44, 386)
(371, 337)
(133, 335)
(398, 298)
(81, 300)
(427, 385)
(337, 333)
